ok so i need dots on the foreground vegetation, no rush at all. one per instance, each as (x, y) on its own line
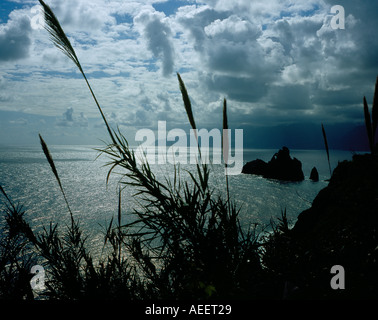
(185, 242)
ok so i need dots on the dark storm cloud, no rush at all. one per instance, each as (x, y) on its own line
(243, 89)
(293, 63)
(290, 97)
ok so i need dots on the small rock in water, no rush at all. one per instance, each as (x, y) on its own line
(314, 176)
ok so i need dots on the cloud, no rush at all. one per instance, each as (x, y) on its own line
(68, 115)
(15, 38)
(276, 61)
(281, 60)
(233, 28)
(20, 121)
(82, 16)
(69, 120)
(158, 36)
(290, 97)
(4, 94)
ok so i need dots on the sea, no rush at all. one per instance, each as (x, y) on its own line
(26, 177)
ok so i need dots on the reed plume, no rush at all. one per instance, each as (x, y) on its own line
(371, 123)
(188, 109)
(368, 125)
(327, 149)
(374, 112)
(187, 104)
(55, 171)
(225, 147)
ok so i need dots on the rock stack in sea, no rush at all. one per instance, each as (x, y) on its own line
(314, 175)
(281, 167)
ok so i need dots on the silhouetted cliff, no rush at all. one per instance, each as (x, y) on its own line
(340, 228)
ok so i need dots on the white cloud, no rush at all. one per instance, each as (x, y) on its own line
(20, 121)
(15, 38)
(233, 28)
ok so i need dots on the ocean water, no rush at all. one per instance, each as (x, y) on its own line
(27, 178)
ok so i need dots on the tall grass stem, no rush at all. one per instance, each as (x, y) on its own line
(55, 171)
(327, 149)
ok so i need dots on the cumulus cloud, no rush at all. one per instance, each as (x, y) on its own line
(233, 28)
(284, 56)
(15, 38)
(158, 36)
(69, 120)
(79, 16)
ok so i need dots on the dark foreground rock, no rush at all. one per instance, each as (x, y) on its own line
(350, 199)
(280, 167)
(339, 229)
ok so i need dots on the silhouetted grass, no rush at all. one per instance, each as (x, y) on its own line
(327, 149)
(183, 241)
(16, 258)
(53, 168)
(225, 147)
(371, 122)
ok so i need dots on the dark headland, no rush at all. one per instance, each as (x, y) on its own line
(340, 229)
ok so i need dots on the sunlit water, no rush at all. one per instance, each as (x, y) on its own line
(27, 178)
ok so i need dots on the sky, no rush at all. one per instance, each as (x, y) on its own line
(280, 64)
